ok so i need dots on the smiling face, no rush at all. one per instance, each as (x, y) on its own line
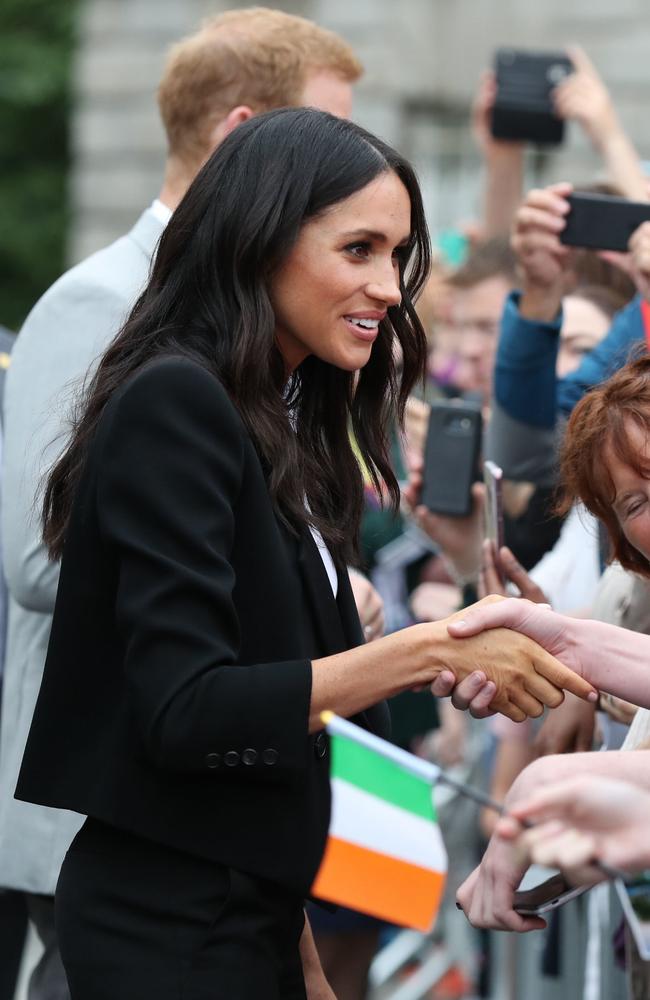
(632, 500)
(341, 276)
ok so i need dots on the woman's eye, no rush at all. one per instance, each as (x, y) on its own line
(634, 508)
(358, 249)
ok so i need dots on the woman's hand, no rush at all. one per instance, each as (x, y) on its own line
(581, 820)
(486, 897)
(526, 676)
(552, 631)
(490, 580)
(316, 985)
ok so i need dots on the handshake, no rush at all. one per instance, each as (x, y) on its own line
(507, 656)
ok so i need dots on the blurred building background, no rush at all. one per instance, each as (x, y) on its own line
(423, 59)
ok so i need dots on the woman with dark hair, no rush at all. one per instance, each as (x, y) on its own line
(203, 510)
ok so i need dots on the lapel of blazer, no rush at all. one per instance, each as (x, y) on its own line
(325, 610)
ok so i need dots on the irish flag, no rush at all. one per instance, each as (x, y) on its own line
(385, 854)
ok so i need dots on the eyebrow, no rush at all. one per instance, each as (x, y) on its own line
(373, 234)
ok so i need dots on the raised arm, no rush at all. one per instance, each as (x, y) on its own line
(583, 97)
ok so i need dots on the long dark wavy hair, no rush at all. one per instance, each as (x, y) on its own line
(208, 299)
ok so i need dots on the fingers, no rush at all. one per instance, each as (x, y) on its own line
(546, 219)
(489, 577)
(487, 902)
(508, 613)
(508, 828)
(561, 677)
(475, 697)
(580, 59)
(508, 708)
(444, 684)
(515, 572)
(555, 801)
(544, 691)
(552, 197)
(556, 847)
(528, 703)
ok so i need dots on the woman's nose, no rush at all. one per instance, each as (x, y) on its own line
(385, 288)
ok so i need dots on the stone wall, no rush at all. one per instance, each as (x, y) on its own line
(422, 57)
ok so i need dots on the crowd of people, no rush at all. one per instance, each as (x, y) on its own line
(213, 442)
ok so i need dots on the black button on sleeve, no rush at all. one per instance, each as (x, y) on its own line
(270, 756)
(231, 759)
(212, 760)
(249, 756)
(320, 745)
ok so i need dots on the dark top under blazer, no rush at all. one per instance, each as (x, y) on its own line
(176, 691)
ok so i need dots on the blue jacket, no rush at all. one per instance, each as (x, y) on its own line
(525, 386)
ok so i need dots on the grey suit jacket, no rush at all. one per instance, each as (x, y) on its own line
(62, 338)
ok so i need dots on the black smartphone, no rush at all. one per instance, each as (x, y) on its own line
(602, 221)
(523, 107)
(451, 458)
(546, 896)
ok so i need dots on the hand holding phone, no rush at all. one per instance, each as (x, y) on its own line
(541, 898)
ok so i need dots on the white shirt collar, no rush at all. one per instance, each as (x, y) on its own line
(162, 213)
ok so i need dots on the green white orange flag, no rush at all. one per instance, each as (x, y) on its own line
(384, 854)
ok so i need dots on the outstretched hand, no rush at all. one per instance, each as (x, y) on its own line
(537, 621)
(526, 677)
(578, 821)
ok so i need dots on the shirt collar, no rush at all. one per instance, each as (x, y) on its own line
(162, 213)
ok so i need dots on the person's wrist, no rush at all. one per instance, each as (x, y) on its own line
(430, 643)
(540, 303)
(605, 131)
(504, 152)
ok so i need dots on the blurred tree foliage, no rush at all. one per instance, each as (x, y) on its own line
(36, 44)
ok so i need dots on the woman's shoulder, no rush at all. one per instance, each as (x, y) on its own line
(171, 383)
(170, 399)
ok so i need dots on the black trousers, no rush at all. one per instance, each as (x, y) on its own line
(138, 920)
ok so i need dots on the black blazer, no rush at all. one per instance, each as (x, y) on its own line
(176, 690)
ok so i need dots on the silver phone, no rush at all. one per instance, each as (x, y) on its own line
(537, 899)
(493, 479)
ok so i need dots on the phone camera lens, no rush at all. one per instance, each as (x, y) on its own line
(556, 73)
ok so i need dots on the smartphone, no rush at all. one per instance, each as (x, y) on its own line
(493, 479)
(536, 900)
(523, 107)
(635, 900)
(602, 221)
(451, 457)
